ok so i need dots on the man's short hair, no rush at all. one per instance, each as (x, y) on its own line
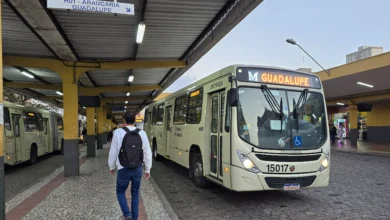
(129, 118)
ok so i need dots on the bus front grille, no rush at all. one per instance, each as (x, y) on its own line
(283, 158)
(278, 182)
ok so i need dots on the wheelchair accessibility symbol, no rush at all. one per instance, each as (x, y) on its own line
(297, 141)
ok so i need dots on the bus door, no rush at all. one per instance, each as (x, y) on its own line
(217, 133)
(168, 129)
(18, 142)
(45, 135)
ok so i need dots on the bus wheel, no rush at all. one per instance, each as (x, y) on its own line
(33, 155)
(197, 171)
(156, 156)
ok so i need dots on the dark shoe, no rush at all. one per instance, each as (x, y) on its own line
(128, 218)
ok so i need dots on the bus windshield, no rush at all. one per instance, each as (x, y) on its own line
(287, 120)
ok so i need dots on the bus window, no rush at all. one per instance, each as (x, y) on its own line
(7, 119)
(146, 117)
(45, 120)
(194, 114)
(31, 122)
(179, 116)
(59, 124)
(154, 115)
(160, 115)
(222, 110)
(40, 122)
(227, 115)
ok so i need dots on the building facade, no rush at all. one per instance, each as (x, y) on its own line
(363, 52)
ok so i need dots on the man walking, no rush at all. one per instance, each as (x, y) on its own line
(130, 149)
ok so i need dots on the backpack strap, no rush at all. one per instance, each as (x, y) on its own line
(136, 131)
(126, 129)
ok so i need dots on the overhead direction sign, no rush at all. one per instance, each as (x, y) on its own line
(92, 6)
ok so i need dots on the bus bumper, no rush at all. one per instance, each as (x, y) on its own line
(248, 181)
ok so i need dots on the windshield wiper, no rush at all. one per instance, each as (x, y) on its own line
(298, 105)
(276, 108)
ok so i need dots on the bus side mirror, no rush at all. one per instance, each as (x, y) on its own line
(233, 97)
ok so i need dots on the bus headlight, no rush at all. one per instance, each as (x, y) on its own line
(324, 163)
(247, 163)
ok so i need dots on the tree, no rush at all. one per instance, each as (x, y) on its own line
(13, 97)
(16, 98)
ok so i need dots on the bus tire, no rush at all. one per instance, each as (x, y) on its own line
(156, 156)
(33, 154)
(62, 146)
(197, 171)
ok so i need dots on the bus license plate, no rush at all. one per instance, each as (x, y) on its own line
(291, 187)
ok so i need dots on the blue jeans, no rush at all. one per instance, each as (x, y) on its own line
(124, 176)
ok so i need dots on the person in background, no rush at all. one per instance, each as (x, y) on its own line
(84, 133)
(333, 133)
(341, 133)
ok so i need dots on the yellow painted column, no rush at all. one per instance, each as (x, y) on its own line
(91, 135)
(99, 128)
(352, 118)
(105, 128)
(2, 182)
(71, 106)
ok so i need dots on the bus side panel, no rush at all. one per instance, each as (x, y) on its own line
(9, 142)
(53, 131)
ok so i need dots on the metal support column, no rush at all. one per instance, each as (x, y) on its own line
(71, 141)
(91, 140)
(99, 128)
(2, 177)
(352, 118)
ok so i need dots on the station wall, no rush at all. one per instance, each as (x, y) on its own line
(378, 122)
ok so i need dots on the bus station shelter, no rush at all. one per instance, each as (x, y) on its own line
(104, 57)
(351, 87)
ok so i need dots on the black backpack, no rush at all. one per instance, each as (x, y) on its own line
(131, 154)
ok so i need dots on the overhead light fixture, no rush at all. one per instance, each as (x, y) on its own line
(126, 102)
(339, 103)
(365, 84)
(83, 107)
(125, 106)
(131, 78)
(128, 94)
(140, 32)
(59, 93)
(154, 92)
(27, 74)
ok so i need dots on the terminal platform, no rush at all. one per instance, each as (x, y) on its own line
(363, 147)
(89, 196)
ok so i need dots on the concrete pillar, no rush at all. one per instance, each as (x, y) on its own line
(2, 182)
(352, 118)
(99, 128)
(91, 141)
(105, 127)
(71, 141)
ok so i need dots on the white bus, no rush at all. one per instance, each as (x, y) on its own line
(247, 128)
(30, 132)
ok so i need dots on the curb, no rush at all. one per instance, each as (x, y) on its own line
(164, 201)
(362, 153)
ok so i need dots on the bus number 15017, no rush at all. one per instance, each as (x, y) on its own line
(272, 168)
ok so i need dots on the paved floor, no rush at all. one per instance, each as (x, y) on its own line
(363, 147)
(359, 189)
(89, 196)
(21, 177)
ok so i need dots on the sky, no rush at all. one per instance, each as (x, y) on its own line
(328, 30)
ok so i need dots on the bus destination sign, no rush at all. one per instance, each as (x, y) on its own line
(280, 77)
